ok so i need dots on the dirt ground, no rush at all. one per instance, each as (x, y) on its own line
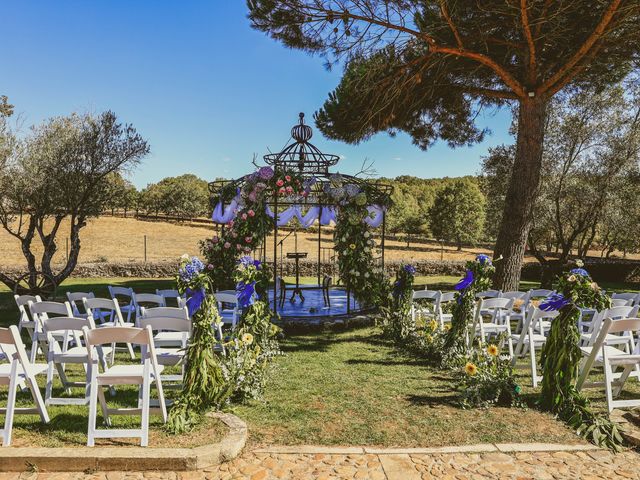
(113, 239)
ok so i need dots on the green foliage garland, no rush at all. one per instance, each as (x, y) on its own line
(477, 278)
(204, 384)
(561, 357)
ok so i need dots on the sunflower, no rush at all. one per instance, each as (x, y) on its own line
(247, 338)
(447, 327)
(352, 246)
(433, 325)
(470, 369)
(493, 350)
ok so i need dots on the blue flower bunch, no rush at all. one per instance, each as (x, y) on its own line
(410, 269)
(580, 271)
(555, 301)
(483, 259)
(189, 269)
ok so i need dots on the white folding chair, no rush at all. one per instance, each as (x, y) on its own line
(633, 297)
(625, 339)
(443, 299)
(170, 294)
(528, 340)
(520, 305)
(540, 293)
(621, 302)
(42, 310)
(56, 358)
(499, 311)
(75, 299)
(107, 311)
(125, 298)
(171, 327)
(142, 375)
(423, 303)
(147, 300)
(26, 321)
(231, 313)
(19, 371)
(610, 358)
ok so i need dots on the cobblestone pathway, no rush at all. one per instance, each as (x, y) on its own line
(585, 465)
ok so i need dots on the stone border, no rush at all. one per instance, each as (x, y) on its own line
(92, 459)
(479, 448)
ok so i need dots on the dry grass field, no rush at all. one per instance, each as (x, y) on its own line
(114, 239)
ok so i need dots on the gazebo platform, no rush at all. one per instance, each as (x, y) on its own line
(314, 307)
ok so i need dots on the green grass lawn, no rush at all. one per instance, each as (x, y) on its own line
(353, 388)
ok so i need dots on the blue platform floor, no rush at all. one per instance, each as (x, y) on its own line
(314, 305)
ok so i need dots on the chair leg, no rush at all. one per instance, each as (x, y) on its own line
(103, 405)
(93, 412)
(534, 369)
(49, 388)
(144, 438)
(608, 383)
(11, 403)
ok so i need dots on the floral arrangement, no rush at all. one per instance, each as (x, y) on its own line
(487, 379)
(561, 356)
(204, 384)
(396, 317)
(290, 184)
(255, 339)
(477, 278)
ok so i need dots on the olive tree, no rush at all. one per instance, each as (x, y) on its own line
(57, 175)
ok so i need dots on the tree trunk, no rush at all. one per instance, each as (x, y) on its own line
(522, 193)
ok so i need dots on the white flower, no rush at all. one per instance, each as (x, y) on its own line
(579, 263)
(366, 275)
(184, 256)
(366, 234)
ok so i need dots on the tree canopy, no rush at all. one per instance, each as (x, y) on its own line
(428, 67)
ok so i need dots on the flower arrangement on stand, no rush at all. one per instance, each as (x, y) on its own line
(487, 379)
(561, 357)
(204, 383)
(477, 278)
(256, 338)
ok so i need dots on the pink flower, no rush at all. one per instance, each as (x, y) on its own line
(247, 249)
(234, 234)
(210, 267)
(305, 193)
(230, 223)
(252, 196)
(289, 189)
(279, 183)
(287, 178)
(244, 216)
(227, 245)
(239, 247)
(251, 213)
(248, 239)
(282, 191)
(215, 239)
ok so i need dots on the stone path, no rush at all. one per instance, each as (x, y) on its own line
(256, 465)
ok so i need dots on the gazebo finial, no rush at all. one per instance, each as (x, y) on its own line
(301, 133)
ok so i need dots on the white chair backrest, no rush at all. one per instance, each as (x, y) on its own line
(621, 302)
(447, 297)
(625, 295)
(226, 298)
(11, 344)
(42, 310)
(515, 295)
(75, 298)
(168, 312)
(489, 294)
(621, 312)
(109, 335)
(426, 294)
(124, 293)
(59, 324)
(169, 293)
(540, 292)
(495, 303)
(23, 300)
(104, 305)
(148, 298)
(617, 326)
(165, 318)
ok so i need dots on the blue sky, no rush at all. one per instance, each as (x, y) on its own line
(206, 90)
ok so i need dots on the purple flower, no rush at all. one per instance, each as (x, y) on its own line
(245, 261)
(265, 173)
(580, 271)
(244, 293)
(410, 269)
(194, 300)
(257, 264)
(483, 259)
(555, 301)
(465, 282)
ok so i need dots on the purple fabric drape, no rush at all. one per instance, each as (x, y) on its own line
(229, 213)
(375, 217)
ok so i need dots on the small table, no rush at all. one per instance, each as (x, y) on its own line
(297, 291)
